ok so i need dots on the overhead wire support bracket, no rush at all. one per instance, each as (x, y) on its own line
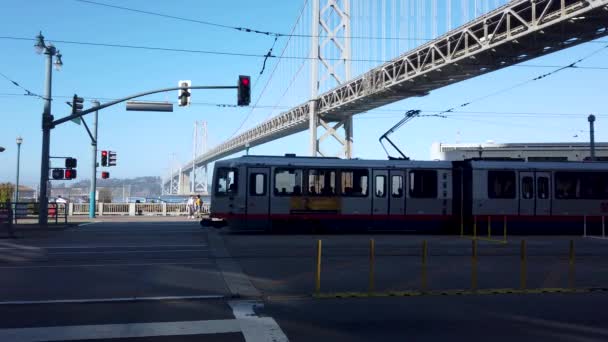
(409, 115)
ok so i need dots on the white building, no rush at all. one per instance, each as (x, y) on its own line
(527, 151)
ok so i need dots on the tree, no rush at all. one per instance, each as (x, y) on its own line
(6, 192)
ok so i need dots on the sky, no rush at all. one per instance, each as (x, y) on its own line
(149, 144)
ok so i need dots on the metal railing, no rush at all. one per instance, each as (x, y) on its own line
(133, 209)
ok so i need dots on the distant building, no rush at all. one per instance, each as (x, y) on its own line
(527, 151)
(27, 194)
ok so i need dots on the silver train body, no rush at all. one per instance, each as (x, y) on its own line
(268, 193)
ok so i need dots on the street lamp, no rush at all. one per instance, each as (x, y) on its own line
(1, 149)
(19, 142)
(47, 122)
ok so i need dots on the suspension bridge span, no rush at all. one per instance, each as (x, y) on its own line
(515, 32)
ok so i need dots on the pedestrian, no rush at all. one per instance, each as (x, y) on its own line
(190, 207)
(198, 203)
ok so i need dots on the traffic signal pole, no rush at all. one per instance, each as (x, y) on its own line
(92, 199)
(48, 123)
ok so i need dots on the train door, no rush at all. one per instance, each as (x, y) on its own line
(527, 196)
(397, 193)
(258, 200)
(543, 193)
(380, 193)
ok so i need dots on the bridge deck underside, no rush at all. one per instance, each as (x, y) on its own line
(517, 32)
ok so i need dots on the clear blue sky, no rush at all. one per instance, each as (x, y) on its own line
(145, 141)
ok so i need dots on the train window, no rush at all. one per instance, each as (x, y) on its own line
(542, 184)
(581, 185)
(257, 184)
(226, 182)
(321, 182)
(397, 186)
(287, 182)
(380, 186)
(527, 187)
(423, 184)
(501, 184)
(354, 182)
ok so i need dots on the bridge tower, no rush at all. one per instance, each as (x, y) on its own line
(330, 66)
(199, 172)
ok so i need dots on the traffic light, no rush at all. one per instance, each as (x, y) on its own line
(111, 158)
(244, 91)
(70, 163)
(70, 173)
(57, 174)
(184, 94)
(77, 104)
(104, 158)
(105, 175)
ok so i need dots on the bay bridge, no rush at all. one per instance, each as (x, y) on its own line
(366, 54)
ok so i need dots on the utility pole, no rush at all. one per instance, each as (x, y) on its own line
(19, 142)
(47, 123)
(93, 192)
(591, 120)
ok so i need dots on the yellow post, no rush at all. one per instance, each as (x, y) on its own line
(585, 225)
(474, 227)
(372, 252)
(318, 273)
(474, 266)
(571, 265)
(523, 270)
(504, 228)
(424, 257)
(489, 227)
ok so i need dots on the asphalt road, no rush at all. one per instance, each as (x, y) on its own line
(172, 281)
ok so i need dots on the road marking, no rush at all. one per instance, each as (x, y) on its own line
(88, 223)
(108, 300)
(111, 331)
(108, 265)
(254, 328)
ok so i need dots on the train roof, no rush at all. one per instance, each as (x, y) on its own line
(291, 160)
(552, 165)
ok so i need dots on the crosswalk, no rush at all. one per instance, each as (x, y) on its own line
(252, 327)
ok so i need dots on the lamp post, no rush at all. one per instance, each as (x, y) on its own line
(19, 141)
(591, 120)
(47, 122)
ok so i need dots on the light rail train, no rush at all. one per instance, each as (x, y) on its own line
(273, 193)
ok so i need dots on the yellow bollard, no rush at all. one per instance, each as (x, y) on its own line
(523, 269)
(585, 225)
(424, 257)
(489, 227)
(571, 265)
(372, 252)
(474, 266)
(318, 273)
(504, 229)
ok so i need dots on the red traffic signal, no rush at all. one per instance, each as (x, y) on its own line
(104, 158)
(105, 175)
(244, 91)
(70, 174)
